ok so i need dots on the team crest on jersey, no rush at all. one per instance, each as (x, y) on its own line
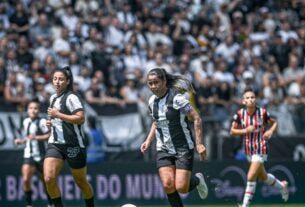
(72, 151)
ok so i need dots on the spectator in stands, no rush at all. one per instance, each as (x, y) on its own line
(20, 20)
(273, 93)
(35, 134)
(132, 60)
(14, 92)
(4, 20)
(39, 90)
(96, 94)
(3, 77)
(158, 62)
(293, 71)
(62, 47)
(129, 90)
(69, 19)
(11, 61)
(41, 31)
(251, 123)
(66, 111)
(24, 55)
(101, 60)
(175, 151)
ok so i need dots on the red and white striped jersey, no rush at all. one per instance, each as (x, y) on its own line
(254, 143)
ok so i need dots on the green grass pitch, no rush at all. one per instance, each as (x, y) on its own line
(224, 205)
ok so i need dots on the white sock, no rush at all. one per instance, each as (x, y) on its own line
(271, 180)
(249, 193)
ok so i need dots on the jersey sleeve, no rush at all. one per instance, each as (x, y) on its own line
(24, 125)
(236, 119)
(267, 116)
(150, 104)
(43, 126)
(74, 104)
(182, 102)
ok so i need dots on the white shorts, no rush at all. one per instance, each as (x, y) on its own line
(257, 158)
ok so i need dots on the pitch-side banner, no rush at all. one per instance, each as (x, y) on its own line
(138, 183)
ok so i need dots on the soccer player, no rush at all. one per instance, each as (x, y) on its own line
(36, 133)
(250, 122)
(171, 111)
(66, 142)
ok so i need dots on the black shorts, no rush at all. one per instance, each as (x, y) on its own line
(182, 160)
(37, 164)
(75, 156)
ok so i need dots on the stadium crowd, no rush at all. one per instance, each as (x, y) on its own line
(222, 46)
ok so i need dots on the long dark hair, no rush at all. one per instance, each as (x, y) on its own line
(178, 82)
(68, 74)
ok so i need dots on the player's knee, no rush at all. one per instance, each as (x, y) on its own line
(26, 181)
(251, 177)
(168, 185)
(182, 188)
(49, 180)
(81, 182)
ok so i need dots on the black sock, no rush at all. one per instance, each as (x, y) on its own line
(89, 202)
(57, 202)
(193, 182)
(28, 197)
(49, 199)
(174, 199)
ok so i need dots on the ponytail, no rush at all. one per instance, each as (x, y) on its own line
(178, 82)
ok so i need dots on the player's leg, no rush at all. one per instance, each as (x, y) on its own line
(251, 182)
(182, 181)
(77, 163)
(51, 169)
(270, 179)
(39, 171)
(167, 176)
(80, 178)
(27, 174)
(185, 181)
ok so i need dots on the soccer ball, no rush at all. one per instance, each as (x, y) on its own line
(128, 205)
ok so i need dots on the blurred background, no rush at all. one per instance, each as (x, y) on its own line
(221, 46)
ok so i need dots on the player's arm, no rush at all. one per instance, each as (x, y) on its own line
(19, 141)
(75, 106)
(23, 138)
(42, 137)
(273, 123)
(193, 115)
(150, 137)
(236, 130)
(76, 118)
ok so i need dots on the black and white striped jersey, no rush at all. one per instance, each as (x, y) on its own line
(33, 148)
(169, 114)
(63, 132)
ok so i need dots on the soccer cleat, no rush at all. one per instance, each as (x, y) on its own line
(285, 191)
(202, 186)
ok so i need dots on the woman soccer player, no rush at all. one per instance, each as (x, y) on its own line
(250, 123)
(170, 110)
(66, 142)
(36, 134)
